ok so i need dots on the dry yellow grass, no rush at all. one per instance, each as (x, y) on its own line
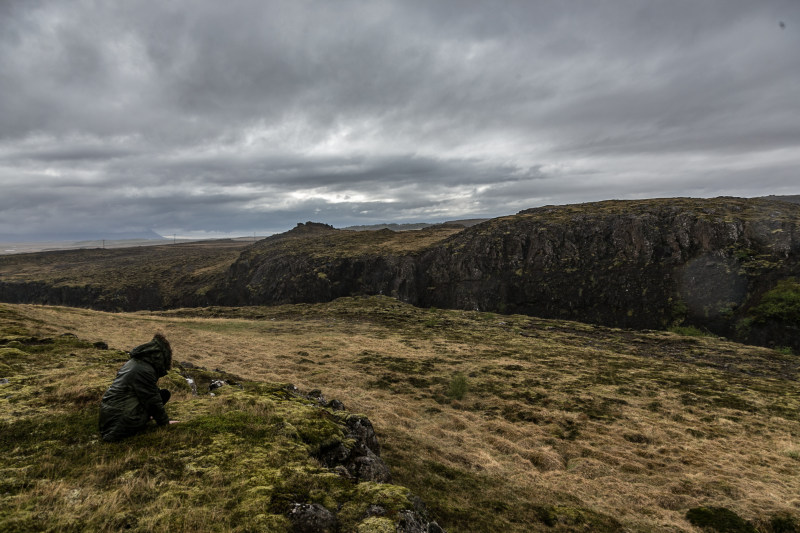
(638, 427)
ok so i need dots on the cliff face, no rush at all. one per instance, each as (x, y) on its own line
(40, 292)
(638, 264)
(317, 263)
(121, 279)
(647, 264)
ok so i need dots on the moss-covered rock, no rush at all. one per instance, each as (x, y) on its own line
(376, 524)
(719, 519)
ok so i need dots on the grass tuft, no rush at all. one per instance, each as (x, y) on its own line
(690, 331)
(457, 387)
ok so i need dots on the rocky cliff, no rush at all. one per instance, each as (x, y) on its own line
(317, 263)
(641, 264)
(727, 265)
(122, 279)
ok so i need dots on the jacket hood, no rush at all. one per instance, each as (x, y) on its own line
(157, 352)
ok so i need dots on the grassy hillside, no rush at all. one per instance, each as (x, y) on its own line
(240, 459)
(124, 278)
(324, 242)
(115, 268)
(499, 423)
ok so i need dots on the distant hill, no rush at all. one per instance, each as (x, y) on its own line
(416, 226)
(46, 246)
(794, 199)
(79, 236)
(142, 277)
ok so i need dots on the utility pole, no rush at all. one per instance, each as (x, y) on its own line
(173, 238)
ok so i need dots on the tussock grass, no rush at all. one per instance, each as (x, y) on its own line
(690, 331)
(458, 387)
(565, 426)
(345, 243)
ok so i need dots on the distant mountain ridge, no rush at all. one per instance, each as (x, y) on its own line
(467, 222)
(79, 236)
(793, 199)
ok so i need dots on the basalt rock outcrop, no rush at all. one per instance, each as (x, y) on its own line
(638, 264)
(122, 279)
(317, 263)
(708, 263)
(359, 453)
(41, 292)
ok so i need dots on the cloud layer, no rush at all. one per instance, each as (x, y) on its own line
(204, 117)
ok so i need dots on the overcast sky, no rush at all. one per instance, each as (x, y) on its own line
(213, 117)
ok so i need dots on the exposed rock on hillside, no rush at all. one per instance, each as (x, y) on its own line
(316, 263)
(123, 279)
(361, 458)
(794, 199)
(641, 264)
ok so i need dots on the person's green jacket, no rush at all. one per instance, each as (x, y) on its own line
(133, 398)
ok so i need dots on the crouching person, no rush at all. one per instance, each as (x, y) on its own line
(134, 398)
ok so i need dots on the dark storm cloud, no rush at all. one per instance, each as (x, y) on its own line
(197, 116)
(76, 153)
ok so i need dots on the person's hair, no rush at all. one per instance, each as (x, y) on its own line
(164, 343)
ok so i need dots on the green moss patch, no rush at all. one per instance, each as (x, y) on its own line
(719, 519)
(782, 303)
